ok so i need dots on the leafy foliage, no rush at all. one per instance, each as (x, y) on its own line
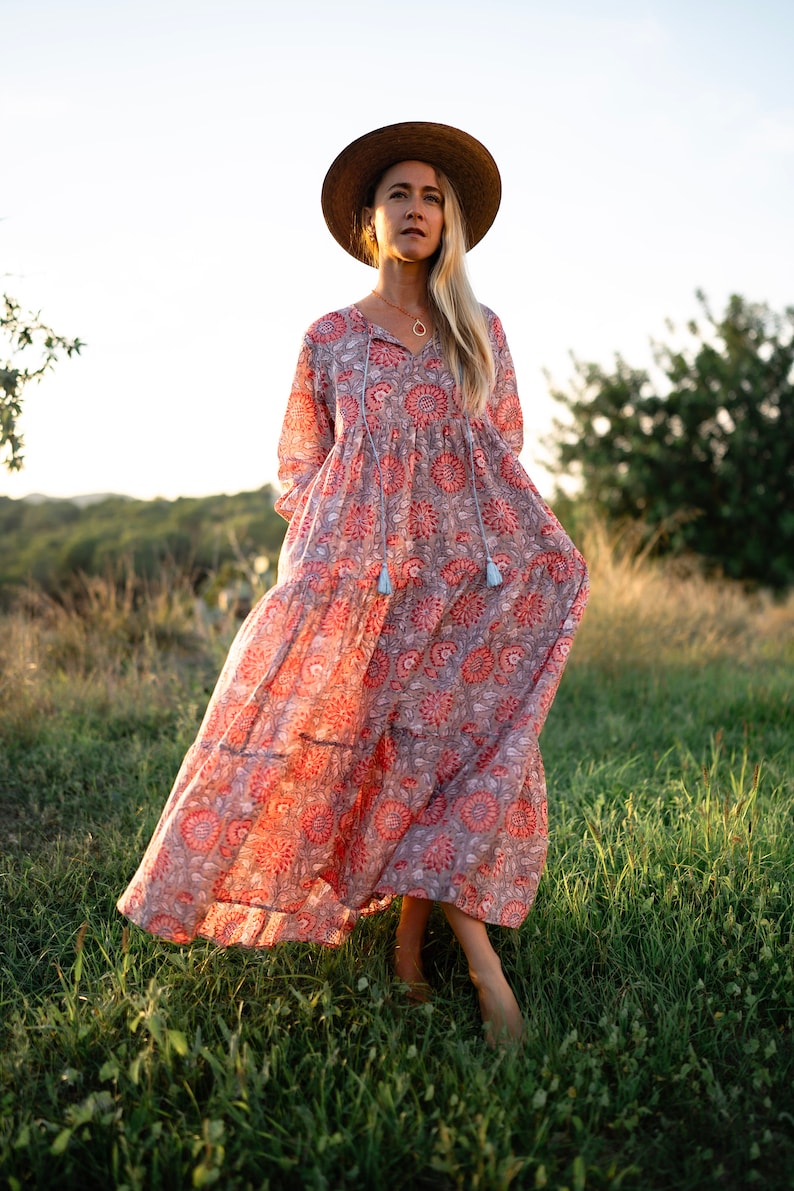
(704, 452)
(213, 539)
(23, 331)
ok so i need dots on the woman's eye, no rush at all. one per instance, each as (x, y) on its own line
(434, 198)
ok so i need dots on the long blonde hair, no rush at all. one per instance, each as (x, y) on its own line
(460, 322)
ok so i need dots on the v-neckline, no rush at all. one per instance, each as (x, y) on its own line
(390, 334)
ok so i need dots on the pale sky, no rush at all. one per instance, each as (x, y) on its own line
(160, 181)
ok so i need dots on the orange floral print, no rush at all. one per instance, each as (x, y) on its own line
(360, 746)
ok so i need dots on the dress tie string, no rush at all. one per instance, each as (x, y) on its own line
(384, 582)
(493, 575)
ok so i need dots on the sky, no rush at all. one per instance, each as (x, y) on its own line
(160, 181)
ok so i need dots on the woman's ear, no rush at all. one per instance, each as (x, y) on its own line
(366, 222)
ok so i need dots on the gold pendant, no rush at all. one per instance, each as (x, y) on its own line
(419, 328)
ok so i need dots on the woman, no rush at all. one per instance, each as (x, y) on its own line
(374, 730)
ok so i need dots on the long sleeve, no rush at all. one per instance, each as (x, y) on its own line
(504, 407)
(307, 433)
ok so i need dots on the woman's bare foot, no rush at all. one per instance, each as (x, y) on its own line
(408, 969)
(500, 1012)
(498, 1006)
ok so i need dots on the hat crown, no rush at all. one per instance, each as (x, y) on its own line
(466, 162)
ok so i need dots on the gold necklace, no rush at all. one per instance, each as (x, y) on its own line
(419, 329)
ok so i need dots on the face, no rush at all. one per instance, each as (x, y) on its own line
(408, 212)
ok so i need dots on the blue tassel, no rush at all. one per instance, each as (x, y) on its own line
(384, 582)
(493, 574)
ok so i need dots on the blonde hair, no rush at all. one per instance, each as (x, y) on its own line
(460, 322)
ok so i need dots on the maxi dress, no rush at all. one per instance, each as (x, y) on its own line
(360, 746)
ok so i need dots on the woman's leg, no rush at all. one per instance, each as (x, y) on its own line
(408, 949)
(498, 1005)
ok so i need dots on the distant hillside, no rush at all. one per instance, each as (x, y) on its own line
(89, 498)
(50, 541)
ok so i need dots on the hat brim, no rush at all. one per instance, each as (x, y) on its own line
(467, 163)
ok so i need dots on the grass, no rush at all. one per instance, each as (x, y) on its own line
(655, 969)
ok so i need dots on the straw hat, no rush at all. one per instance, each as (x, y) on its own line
(469, 166)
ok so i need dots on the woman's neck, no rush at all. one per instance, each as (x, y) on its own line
(404, 282)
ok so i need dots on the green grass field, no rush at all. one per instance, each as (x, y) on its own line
(656, 970)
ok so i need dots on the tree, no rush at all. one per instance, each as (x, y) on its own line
(703, 451)
(21, 332)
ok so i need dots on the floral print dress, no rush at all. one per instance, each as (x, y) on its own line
(361, 745)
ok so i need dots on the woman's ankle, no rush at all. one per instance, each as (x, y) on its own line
(499, 1008)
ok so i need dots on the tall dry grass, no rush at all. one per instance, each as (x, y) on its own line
(104, 642)
(641, 611)
(645, 611)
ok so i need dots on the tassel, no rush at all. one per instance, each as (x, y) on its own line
(384, 582)
(493, 574)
